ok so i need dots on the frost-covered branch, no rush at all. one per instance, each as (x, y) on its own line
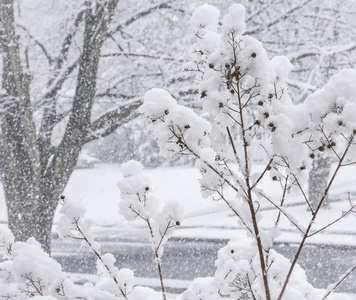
(285, 188)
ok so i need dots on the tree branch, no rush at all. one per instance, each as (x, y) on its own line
(141, 15)
(110, 121)
(335, 285)
(68, 40)
(38, 43)
(279, 18)
(302, 243)
(343, 215)
(283, 212)
(126, 54)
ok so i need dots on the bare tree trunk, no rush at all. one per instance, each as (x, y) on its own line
(33, 172)
(25, 222)
(19, 154)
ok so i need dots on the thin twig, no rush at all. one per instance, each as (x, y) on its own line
(158, 261)
(235, 212)
(343, 277)
(98, 256)
(348, 164)
(263, 174)
(299, 186)
(283, 212)
(282, 200)
(343, 215)
(302, 243)
(232, 142)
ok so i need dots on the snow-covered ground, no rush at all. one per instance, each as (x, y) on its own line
(204, 218)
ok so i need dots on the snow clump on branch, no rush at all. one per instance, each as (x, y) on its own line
(180, 129)
(139, 202)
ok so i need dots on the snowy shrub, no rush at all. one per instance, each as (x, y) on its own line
(245, 94)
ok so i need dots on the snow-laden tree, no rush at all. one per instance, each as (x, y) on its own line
(241, 88)
(70, 72)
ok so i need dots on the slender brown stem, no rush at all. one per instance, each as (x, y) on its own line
(284, 213)
(235, 212)
(343, 215)
(263, 174)
(160, 277)
(250, 199)
(98, 255)
(163, 235)
(343, 277)
(349, 164)
(38, 289)
(158, 261)
(299, 186)
(302, 243)
(156, 249)
(231, 141)
(282, 201)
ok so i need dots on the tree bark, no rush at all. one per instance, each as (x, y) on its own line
(34, 173)
(19, 154)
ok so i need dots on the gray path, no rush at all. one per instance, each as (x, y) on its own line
(189, 259)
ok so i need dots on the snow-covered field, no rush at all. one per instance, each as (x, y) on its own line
(204, 218)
